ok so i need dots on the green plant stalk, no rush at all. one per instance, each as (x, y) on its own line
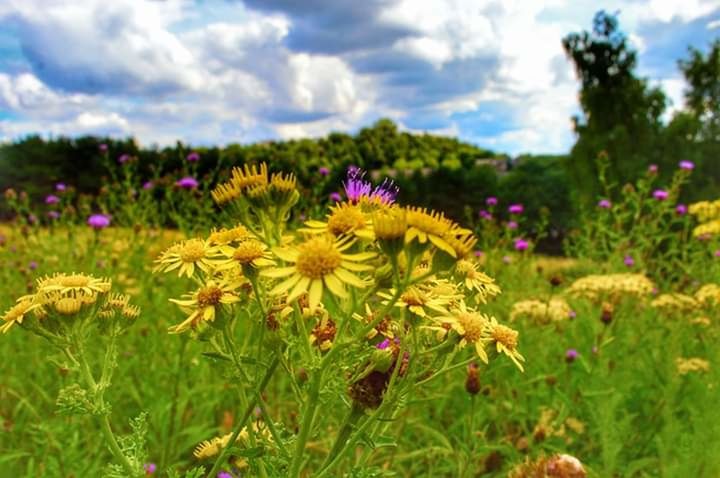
(351, 420)
(173, 406)
(248, 411)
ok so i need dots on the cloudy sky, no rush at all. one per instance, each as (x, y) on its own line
(215, 72)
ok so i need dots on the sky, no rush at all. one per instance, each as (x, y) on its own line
(492, 73)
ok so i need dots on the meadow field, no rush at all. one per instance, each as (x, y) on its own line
(265, 332)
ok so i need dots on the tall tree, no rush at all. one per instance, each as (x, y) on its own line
(620, 112)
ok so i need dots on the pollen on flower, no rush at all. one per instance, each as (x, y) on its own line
(192, 251)
(209, 296)
(68, 306)
(506, 336)
(317, 258)
(248, 251)
(345, 219)
(473, 324)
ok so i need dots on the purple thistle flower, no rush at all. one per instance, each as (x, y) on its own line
(188, 182)
(491, 201)
(386, 192)
(572, 314)
(571, 355)
(32, 218)
(193, 157)
(356, 186)
(485, 215)
(149, 468)
(605, 204)
(51, 199)
(516, 209)
(124, 158)
(33, 265)
(681, 209)
(103, 148)
(660, 194)
(224, 474)
(521, 244)
(98, 221)
(335, 197)
(512, 225)
(687, 165)
(53, 214)
(479, 253)
(629, 261)
(653, 169)
(323, 171)
(717, 253)
(148, 185)
(60, 187)
(383, 345)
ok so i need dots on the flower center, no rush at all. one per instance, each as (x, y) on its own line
(413, 297)
(473, 324)
(317, 258)
(248, 251)
(209, 296)
(345, 219)
(192, 251)
(506, 336)
(75, 280)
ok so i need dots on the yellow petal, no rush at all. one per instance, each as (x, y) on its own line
(480, 349)
(285, 286)
(315, 294)
(335, 286)
(441, 244)
(349, 278)
(361, 256)
(352, 266)
(300, 287)
(278, 272)
(288, 255)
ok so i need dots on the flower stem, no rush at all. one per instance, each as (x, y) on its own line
(352, 418)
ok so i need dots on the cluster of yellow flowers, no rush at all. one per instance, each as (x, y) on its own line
(611, 286)
(210, 448)
(674, 302)
(59, 298)
(694, 364)
(708, 214)
(554, 310)
(708, 295)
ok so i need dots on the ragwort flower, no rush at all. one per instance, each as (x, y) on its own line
(204, 304)
(186, 256)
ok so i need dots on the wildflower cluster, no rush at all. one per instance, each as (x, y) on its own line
(612, 286)
(708, 215)
(554, 310)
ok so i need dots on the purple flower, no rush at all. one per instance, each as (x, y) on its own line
(53, 214)
(572, 314)
(355, 186)
(192, 157)
(479, 253)
(383, 345)
(516, 209)
(51, 199)
(224, 474)
(60, 187)
(485, 215)
(653, 168)
(491, 201)
(681, 209)
(323, 171)
(33, 265)
(188, 182)
(629, 261)
(521, 244)
(32, 218)
(103, 148)
(660, 194)
(386, 192)
(149, 468)
(512, 225)
(717, 253)
(124, 158)
(605, 204)
(687, 165)
(335, 197)
(571, 355)
(98, 221)
(148, 185)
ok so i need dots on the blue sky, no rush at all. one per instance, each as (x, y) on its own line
(217, 72)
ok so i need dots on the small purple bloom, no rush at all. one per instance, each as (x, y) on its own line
(687, 165)
(188, 182)
(124, 158)
(53, 214)
(193, 157)
(491, 201)
(572, 314)
(717, 253)
(485, 215)
(571, 355)
(653, 168)
(629, 261)
(479, 253)
(655, 291)
(386, 192)
(512, 225)
(521, 244)
(60, 187)
(516, 209)
(383, 345)
(323, 171)
(224, 474)
(103, 148)
(681, 209)
(660, 194)
(605, 204)
(335, 197)
(148, 185)
(52, 199)
(33, 265)
(98, 221)
(149, 468)
(32, 218)
(595, 350)
(356, 186)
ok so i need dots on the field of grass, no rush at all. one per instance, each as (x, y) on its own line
(612, 370)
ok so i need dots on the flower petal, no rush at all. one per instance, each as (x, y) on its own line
(335, 286)
(315, 294)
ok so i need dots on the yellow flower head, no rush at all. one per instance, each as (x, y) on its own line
(72, 284)
(708, 295)
(506, 341)
(188, 255)
(432, 226)
(318, 263)
(204, 303)
(16, 314)
(475, 280)
(420, 300)
(675, 303)
(242, 179)
(554, 310)
(694, 364)
(344, 219)
(224, 236)
(471, 325)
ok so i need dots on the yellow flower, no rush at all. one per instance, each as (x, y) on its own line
(224, 236)
(318, 263)
(72, 284)
(694, 364)
(475, 280)
(344, 219)
(203, 304)
(242, 179)
(186, 256)
(386, 327)
(709, 295)
(471, 325)
(389, 223)
(554, 310)
(429, 226)
(248, 253)
(16, 313)
(462, 243)
(419, 300)
(711, 228)
(675, 303)
(597, 286)
(506, 341)
(213, 447)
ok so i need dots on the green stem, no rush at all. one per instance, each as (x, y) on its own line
(173, 406)
(248, 411)
(307, 419)
(352, 418)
